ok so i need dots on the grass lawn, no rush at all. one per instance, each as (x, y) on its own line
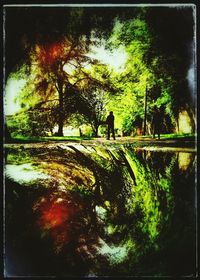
(179, 136)
(185, 136)
(27, 139)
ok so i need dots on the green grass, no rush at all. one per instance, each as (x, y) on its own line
(189, 136)
(29, 139)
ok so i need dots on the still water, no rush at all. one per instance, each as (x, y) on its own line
(75, 210)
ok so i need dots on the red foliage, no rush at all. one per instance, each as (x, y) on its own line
(49, 54)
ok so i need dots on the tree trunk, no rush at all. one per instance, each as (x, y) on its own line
(61, 112)
(177, 125)
(145, 113)
(60, 127)
(96, 130)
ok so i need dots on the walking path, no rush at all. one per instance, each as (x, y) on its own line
(149, 143)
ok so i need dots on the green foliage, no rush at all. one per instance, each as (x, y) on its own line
(142, 74)
(61, 84)
(18, 157)
(18, 124)
(84, 192)
(30, 123)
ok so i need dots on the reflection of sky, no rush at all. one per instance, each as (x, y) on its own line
(115, 253)
(23, 173)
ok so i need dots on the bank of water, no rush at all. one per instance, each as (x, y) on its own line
(78, 210)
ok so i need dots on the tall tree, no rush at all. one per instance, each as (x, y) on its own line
(54, 54)
(153, 61)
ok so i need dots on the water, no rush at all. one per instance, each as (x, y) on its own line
(74, 210)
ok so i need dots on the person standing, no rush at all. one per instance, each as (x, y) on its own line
(156, 122)
(110, 122)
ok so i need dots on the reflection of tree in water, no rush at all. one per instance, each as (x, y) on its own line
(176, 238)
(99, 211)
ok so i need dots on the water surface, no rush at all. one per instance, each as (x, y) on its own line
(74, 210)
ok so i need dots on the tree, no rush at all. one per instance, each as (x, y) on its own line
(173, 48)
(57, 62)
(96, 108)
(58, 77)
(26, 27)
(53, 54)
(153, 68)
(137, 75)
(61, 84)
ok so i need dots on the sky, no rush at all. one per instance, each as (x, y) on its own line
(115, 59)
(12, 89)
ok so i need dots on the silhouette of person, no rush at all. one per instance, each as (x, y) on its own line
(156, 122)
(110, 122)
